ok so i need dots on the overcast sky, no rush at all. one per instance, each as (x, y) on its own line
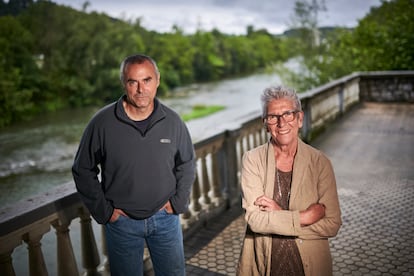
(228, 16)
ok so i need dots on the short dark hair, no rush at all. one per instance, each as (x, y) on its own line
(136, 59)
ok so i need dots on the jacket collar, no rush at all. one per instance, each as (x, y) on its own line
(157, 115)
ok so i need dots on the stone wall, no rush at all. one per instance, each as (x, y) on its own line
(390, 86)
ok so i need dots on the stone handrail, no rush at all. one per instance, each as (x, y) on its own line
(215, 189)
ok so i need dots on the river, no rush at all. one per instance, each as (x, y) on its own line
(37, 155)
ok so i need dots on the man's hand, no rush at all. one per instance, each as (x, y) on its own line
(116, 213)
(168, 208)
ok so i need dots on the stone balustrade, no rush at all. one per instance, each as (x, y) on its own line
(216, 186)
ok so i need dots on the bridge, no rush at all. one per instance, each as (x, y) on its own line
(363, 122)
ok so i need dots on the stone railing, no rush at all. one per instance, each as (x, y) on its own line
(325, 103)
(216, 187)
(395, 86)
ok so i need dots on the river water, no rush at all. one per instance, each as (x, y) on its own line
(37, 155)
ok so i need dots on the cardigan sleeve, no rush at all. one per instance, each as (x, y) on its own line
(327, 194)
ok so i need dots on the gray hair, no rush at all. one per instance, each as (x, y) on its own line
(136, 59)
(279, 92)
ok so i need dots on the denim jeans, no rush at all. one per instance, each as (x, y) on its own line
(161, 232)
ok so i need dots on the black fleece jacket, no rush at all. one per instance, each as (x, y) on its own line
(117, 166)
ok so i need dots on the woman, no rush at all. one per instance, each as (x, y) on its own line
(289, 196)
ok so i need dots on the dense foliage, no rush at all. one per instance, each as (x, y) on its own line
(55, 57)
(383, 40)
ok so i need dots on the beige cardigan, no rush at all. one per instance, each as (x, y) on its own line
(313, 181)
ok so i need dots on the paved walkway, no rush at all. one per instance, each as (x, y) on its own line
(372, 151)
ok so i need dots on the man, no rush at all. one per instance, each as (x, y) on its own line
(145, 157)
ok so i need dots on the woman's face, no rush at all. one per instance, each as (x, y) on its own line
(283, 128)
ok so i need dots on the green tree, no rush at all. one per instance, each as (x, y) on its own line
(17, 71)
(305, 40)
(14, 7)
(81, 54)
(207, 63)
(305, 20)
(174, 54)
(55, 57)
(385, 37)
(383, 40)
(267, 49)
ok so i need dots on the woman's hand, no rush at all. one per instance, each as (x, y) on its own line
(312, 214)
(267, 204)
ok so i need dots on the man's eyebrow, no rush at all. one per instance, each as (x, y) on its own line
(146, 78)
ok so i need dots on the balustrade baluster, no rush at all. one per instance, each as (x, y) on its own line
(195, 206)
(37, 266)
(264, 136)
(248, 141)
(216, 185)
(232, 167)
(195, 196)
(6, 264)
(242, 143)
(105, 262)
(66, 260)
(205, 182)
(252, 138)
(7, 245)
(90, 255)
(255, 138)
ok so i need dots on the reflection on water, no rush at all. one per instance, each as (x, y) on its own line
(37, 155)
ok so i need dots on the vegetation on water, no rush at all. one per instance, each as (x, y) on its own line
(201, 110)
(54, 57)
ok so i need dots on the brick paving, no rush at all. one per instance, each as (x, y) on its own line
(215, 248)
(372, 151)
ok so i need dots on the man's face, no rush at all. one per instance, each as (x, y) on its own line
(141, 82)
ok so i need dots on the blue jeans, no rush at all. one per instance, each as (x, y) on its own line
(161, 232)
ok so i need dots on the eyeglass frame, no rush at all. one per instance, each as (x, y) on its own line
(281, 116)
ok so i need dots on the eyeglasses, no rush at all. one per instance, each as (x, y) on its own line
(288, 116)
